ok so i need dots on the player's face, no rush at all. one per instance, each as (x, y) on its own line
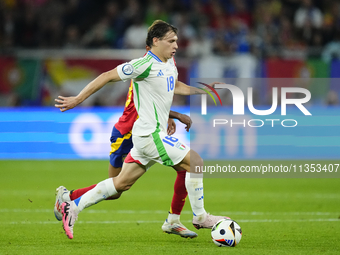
(168, 45)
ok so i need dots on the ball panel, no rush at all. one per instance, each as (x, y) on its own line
(226, 233)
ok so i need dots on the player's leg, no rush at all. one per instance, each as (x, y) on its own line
(115, 166)
(193, 163)
(172, 224)
(64, 195)
(120, 147)
(171, 152)
(194, 182)
(129, 175)
(178, 154)
(180, 192)
(113, 172)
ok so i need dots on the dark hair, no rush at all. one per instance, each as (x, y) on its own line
(158, 29)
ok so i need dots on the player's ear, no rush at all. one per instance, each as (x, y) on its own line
(155, 41)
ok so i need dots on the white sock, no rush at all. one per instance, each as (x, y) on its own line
(102, 191)
(194, 187)
(172, 218)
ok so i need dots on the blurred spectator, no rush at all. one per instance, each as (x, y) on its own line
(332, 50)
(220, 46)
(100, 36)
(52, 34)
(217, 16)
(156, 11)
(237, 36)
(117, 23)
(72, 38)
(186, 32)
(199, 46)
(8, 29)
(286, 33)
(51, 24)
(274, 7)
(308, 19)
(336, 15)
(268, 30)
(241, 12)
(135, 35)
(27, 29)
(308, 15)
(229, 32)
(133, 9)
(197, 16)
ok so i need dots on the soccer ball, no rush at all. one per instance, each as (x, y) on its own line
(226, 233)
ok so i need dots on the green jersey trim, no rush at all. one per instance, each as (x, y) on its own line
(141, 62)
(146, 73)
(159, 145)
(137, 93)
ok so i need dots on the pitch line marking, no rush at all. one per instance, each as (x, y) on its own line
(159, 222)
(7, 210)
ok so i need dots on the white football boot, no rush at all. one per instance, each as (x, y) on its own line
(177, 228)
(62, 195)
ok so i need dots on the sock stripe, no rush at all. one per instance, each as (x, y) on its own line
(76, 201)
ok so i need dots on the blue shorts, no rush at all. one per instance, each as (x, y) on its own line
(120, 147)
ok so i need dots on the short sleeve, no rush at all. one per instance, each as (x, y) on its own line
(132, 69)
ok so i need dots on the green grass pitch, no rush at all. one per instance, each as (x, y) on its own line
(277, 216)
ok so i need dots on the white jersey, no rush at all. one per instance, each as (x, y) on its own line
(153, 88)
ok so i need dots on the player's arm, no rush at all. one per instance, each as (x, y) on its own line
(67, 103)
(185, 119)
(186, 90)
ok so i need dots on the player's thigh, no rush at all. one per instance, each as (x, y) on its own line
(114, 171)
(128, 176)
(178, 168)
(192, 162)
(182, 156)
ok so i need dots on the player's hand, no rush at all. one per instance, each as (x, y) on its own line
(66, 103)
(186, 120)
(214, 83)
(171, 127)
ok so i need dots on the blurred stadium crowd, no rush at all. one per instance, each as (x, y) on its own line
(255, 29)
(219, 26)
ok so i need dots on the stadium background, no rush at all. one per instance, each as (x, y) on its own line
(51, 48)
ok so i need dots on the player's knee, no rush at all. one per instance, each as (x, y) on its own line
(121, 187)
(114, 197)
(195, 159)
(126, 187)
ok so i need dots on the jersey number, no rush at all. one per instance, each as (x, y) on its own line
(170, 140)
(170, 82)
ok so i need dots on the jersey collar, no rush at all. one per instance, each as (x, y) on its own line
(154, 56)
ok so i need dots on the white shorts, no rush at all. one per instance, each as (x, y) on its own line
(157, 147)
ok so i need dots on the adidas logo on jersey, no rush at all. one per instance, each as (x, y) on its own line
(160, 73)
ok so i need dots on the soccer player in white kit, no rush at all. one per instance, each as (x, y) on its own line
(155, 82)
